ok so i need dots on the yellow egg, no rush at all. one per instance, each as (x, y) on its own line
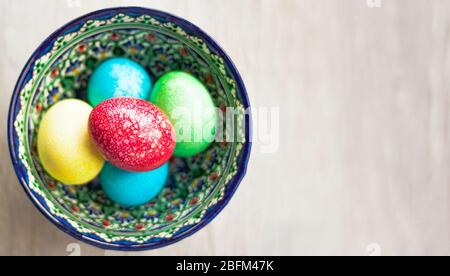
(65, 148)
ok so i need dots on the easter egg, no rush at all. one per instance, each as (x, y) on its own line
(190, 108)
(118, 77)
(132, 134)
(64, 147)
(132, 188)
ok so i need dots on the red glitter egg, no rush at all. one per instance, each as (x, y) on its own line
(132, 134)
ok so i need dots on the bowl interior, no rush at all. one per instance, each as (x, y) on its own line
(195, 184)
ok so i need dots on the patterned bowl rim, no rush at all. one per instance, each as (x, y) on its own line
(44, 47)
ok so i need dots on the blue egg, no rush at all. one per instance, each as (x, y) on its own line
(132, 188)
(118, 77)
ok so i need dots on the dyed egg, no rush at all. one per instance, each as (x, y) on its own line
(132, 134)
(190, 108)
(132, 188)
(118, 77)
(64, 146)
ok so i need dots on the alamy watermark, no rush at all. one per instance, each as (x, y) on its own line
(73, 3)
(229, 125)
(73, 249)
(373, 3)
(373, 249)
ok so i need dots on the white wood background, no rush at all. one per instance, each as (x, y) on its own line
(364, 137)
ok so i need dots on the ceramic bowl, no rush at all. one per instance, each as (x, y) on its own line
(199, 187)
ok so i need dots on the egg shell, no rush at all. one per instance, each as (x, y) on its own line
(118, 77)
(190, 108)
(132, 134)
(65, 149)
(132, 188)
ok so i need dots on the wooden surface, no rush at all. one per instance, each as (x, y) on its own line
(363, 160)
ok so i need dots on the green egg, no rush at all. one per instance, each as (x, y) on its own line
(190, 108)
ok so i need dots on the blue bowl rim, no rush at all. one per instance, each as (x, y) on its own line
(187, 26)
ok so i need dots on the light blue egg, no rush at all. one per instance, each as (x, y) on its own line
(132, 188)
(118, 77)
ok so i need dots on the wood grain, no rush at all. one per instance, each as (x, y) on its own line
(364, 144)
